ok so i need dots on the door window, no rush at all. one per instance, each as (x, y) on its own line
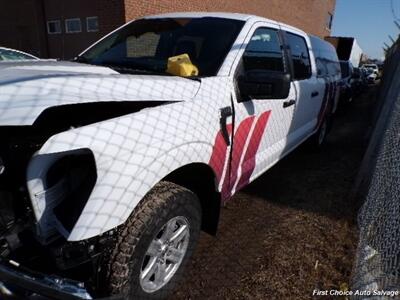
(300, 56)
(264, 51)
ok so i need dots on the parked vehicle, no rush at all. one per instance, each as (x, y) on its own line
(111, 165)
(372, 67)
(346, 92)
(7, 54)
(364, 77)
(364, 72)
(358, 81)
(372, 77)
(328, 68)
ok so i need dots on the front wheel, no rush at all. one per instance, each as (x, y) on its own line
(154, 245)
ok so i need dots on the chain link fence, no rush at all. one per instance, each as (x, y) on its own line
(377, 265)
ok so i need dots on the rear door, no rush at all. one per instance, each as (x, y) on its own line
(309, 90)
(261, 126)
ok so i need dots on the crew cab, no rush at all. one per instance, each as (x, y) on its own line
(112, 164)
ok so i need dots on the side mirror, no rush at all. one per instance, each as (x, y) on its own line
(260, 84)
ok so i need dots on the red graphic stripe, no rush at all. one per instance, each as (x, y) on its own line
(239, 142)
(249, 162)
(218, 156)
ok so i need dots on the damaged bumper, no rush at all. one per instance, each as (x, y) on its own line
(16, 280)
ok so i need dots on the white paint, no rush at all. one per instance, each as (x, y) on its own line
(135, 151)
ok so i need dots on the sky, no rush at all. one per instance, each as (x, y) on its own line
(369, 21)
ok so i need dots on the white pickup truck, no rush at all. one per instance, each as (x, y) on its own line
(113, 163)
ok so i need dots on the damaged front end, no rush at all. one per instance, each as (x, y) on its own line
(41, 198)
(20, 283)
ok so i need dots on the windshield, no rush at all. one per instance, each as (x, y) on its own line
(6, 54)
(146, 44)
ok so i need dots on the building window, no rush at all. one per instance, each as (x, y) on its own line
(53, 27)
(92, 24)
(329, 21)
(73, 25)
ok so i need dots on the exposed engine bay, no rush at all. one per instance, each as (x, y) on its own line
(69, 180)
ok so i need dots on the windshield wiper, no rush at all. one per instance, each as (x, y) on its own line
(130, 70)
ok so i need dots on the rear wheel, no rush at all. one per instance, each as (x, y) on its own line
(153, 246)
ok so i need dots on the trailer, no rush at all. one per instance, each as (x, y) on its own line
(347, 48)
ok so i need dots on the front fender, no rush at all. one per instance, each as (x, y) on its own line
(134, 152)
(118, 191)
(121, 184)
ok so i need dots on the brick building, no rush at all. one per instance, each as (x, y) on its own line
(62, 29)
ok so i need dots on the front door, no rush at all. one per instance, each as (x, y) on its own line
(261, 126)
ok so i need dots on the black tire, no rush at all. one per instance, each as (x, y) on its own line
(163, 203)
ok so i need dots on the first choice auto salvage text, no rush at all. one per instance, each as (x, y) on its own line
(356, 293)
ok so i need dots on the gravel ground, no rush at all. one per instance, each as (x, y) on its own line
(293, 230)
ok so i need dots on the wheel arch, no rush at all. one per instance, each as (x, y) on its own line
(201, 180)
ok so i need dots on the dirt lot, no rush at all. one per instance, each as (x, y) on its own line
(293, 230)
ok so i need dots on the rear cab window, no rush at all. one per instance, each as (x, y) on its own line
(300, 56)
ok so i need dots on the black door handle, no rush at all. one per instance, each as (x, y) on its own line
(314, 94)
(289, 103)
(225, 113)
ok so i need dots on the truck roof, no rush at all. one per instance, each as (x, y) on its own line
(225, 15)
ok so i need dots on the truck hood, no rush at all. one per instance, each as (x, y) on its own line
(28, 88)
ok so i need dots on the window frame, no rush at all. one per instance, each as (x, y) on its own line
(73, 19)
(285, 33)
(54, 21)
(286, 66)
(87, 24)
